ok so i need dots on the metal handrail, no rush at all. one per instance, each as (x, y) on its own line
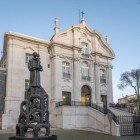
(92, 105)
(76, 103)
(123, 109)
(115, 119)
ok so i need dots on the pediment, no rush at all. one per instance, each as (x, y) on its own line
(79, 33)
(104, 49)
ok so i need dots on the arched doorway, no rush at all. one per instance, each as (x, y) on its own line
(85, 95)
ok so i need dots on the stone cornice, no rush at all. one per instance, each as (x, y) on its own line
(101, 55)
(26, 37)
(67, 46)
(103, 65)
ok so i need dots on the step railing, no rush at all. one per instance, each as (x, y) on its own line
(92, 105)
(123, 109)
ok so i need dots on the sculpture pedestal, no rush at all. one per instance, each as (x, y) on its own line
(52, 137)
(34, 110)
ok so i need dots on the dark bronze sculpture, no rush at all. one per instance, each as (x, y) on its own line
(33, 122)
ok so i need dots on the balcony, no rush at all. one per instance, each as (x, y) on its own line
(102, 80)
(66, 75)
(85, 54)
(86, 78)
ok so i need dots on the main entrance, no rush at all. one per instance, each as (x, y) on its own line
(85, 95)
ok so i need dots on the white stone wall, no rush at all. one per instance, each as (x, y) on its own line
(17, 72)
(64, 46)
(84, 118)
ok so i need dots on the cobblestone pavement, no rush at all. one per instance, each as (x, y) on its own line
(73, 135)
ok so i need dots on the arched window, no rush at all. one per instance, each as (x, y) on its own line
(102, 76)
(85, 49)
(66, 69)
(85, 71)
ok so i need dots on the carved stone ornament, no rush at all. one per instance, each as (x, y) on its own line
(33, 122)
(103, 88)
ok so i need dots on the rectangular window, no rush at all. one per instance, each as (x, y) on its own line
(27, 82)
(85, 74)
(102, 76)
(66, 69)
(28, 57)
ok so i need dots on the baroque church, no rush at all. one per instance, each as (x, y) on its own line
(77, 72)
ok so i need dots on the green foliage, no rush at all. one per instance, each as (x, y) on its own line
(131, 79)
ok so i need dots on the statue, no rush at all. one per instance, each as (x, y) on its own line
(33, 122)
(34, 68)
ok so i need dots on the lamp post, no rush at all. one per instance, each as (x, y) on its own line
(110, 118)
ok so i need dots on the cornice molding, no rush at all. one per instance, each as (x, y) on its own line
(67, 46)
(99, 64)
(26, 37)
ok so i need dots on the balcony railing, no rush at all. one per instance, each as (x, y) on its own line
(102, 80)
(85, 54)
(86, 78)
(66, 75)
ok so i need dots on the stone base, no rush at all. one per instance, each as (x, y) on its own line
(53, 137)
(9, 121)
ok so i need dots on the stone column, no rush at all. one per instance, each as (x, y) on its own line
(109, 85)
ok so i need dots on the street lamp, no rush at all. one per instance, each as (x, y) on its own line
(110, 118)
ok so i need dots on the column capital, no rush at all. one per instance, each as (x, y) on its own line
(110, 66)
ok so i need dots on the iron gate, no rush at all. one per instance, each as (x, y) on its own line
(129, 125)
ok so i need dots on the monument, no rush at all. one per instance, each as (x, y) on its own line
(33, 122)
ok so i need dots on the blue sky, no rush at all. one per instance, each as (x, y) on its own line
(119, 19)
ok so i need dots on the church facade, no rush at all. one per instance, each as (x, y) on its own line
(77, 71)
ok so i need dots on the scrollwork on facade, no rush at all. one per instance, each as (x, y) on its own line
(77, 59)
(103, 66)
(103, 88)
(66, 57)
(110, 66)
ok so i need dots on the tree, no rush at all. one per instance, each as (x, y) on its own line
(132, 79)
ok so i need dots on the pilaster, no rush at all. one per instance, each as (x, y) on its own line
(76, 77)
(97, 83)
(109, 85)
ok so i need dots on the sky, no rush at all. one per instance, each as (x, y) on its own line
(118, 19)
